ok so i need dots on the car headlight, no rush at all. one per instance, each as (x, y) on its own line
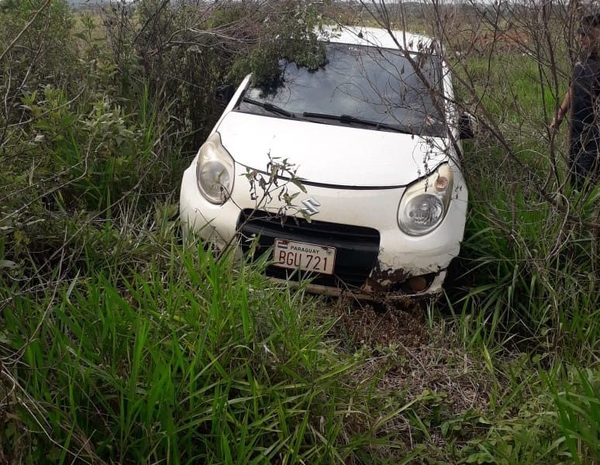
(214, 171)
(425, 203)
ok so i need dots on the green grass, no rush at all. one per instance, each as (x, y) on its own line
(187, 358)
(529, 260)
(186, 363)
(578, 403)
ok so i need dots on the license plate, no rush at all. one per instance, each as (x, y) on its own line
(303, 256)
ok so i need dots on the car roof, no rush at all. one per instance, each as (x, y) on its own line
(376, 37)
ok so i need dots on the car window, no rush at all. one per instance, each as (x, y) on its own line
(379, 85)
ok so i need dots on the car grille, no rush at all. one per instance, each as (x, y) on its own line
(357, 247)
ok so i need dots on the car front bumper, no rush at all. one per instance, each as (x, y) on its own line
(397, 259)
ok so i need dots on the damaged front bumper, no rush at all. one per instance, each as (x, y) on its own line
(373, 290)
(401, 282)
(360, 266)
(374, 257)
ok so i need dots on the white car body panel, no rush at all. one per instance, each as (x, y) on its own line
(218, 223)
(376, 37)
(330, 154)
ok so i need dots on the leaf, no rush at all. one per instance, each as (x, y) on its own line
(7, 264)
(298, 183)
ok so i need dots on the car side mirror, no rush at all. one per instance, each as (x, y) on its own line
(466, 126)
(224, 93)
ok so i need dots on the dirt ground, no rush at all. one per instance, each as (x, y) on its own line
(411, 355)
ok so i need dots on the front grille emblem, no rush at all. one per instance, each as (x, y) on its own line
(310, 206)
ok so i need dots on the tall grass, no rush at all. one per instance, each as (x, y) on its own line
(528, 264)
(577, 400)
(187, 361)
(532, 276)
(527, 298)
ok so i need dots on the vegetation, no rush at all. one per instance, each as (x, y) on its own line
(119, 344)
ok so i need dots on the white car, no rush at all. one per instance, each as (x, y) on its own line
(347, 174)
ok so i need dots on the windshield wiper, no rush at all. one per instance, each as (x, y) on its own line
(269, 107)
(349, 119)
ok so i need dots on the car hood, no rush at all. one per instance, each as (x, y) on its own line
(330, 154)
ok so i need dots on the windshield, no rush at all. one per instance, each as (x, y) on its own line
(363, 83)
